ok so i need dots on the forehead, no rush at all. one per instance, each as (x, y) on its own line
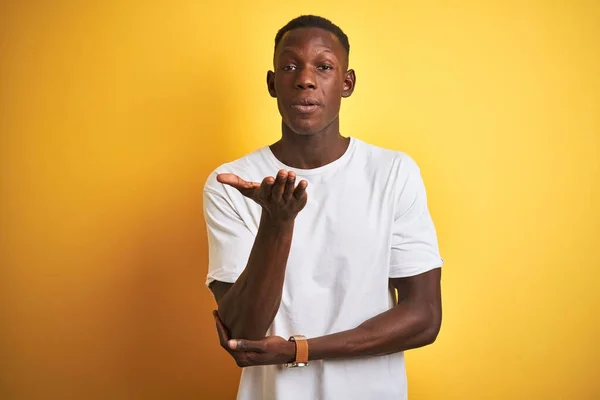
(303, 40)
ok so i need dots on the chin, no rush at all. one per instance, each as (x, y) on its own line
(306, 127)
(305, 131)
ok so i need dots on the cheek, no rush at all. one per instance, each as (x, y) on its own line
(333, 87)
(333, 93)
(281, 106)
(284, 80)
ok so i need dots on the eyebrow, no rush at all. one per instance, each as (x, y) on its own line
(291, 50)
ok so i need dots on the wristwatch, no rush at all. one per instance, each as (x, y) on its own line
(301, 351)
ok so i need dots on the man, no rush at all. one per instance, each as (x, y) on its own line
(309, 237)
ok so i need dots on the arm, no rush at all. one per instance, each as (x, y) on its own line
(248, 306)
(414, 322)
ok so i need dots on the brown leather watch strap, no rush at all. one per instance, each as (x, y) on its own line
(301, 349)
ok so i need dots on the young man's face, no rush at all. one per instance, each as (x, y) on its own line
(310, 79)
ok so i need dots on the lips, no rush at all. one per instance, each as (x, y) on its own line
(306, 105)
(307, 101)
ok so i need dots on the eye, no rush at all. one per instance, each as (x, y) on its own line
(290, 67)
(325, 67)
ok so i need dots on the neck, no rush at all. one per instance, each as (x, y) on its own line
(310, 151)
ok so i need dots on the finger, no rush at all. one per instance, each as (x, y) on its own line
(265, 187)
(223, 338)
(279, 185)
(247, 345)
(221, 326)
(289, 186)
(221, 330)
(246, 188)
(219, 322)
(300, 190)
(232, 180)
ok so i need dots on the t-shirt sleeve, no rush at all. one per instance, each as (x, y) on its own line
(229, 238)
(414, 245)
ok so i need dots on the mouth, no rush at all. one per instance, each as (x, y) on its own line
(306, 105)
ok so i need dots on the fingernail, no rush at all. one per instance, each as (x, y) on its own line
(232, 344)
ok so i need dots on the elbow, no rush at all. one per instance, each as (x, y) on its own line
(245, 320)
(430, 335)
(242, 328)
(432, 323)
(248, 333)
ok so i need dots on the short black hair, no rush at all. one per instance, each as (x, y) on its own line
(314, 21)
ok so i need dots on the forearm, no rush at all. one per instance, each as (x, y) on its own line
(250, 305)
(404, 327)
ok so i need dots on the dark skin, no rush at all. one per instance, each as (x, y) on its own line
(248, 306)
(310, 63)
(309, 80)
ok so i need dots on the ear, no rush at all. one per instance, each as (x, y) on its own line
(271, 83)
(349, 83)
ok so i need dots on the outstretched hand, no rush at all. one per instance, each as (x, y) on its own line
(272, 350)
(279, 196)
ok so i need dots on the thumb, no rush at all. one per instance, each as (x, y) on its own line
(246, 345)
(246, 188)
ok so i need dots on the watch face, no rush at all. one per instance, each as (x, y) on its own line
(296, 365)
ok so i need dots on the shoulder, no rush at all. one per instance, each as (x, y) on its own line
(394, 161)
(240, 166)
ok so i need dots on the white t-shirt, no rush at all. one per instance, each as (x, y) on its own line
(366, 220)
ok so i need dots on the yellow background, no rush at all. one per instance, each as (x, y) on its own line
(113, 113)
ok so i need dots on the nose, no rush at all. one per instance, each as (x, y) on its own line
(305, 79)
